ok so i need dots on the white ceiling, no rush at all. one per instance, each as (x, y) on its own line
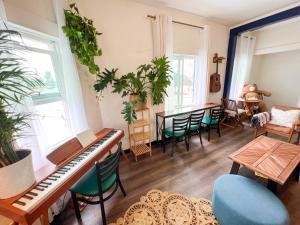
(227, 12)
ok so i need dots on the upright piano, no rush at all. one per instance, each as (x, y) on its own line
(69, 162)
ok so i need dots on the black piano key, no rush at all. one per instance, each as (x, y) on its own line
(42, 186)
(20, 203)
(60, 172)
(27, 197)
(32, 193)
(71, 164)
(84, 154)
(46, 183)
(54, 176)
(53, 179)
(39, 188)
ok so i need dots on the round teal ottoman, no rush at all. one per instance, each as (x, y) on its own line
(238, 200)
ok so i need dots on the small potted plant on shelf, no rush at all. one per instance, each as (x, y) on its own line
(150, 79)
(16, 83)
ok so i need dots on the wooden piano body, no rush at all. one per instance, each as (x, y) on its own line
(60, 157)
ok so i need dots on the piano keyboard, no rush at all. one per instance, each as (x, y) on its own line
(53, 181)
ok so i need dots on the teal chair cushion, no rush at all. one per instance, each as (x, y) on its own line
(88, 184)
(206, 120)
(239, 200)
(169, 132)
(194, 127)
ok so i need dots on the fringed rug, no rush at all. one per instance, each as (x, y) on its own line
(163, 208)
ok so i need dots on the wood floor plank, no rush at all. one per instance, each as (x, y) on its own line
(192, 173)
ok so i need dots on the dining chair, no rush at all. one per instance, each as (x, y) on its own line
(99, 180)
(213, 121)
(178, 130)
(195, 124)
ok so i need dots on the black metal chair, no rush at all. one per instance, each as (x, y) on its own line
(213, 121)
(178, 130)
(195, 124)
(98, 181)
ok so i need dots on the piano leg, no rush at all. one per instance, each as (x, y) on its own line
(45, 219)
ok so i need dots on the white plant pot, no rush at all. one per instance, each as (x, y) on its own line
(18, 177)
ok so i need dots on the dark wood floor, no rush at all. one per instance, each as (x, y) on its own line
(191, 173)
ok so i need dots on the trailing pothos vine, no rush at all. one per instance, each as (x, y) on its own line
(83, 38)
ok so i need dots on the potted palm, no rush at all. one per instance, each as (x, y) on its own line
(150, 79)
(16, 83)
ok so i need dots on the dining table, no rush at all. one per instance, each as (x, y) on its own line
(164, 115)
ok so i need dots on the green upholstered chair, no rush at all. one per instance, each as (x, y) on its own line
(99, 180)
(213, 121)
(178, 130)
(195, 124)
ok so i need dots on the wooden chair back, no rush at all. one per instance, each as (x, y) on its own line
(196, 118)
(180, 124)
(229, 104)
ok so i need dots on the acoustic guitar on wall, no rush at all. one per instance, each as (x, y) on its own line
(215, 79)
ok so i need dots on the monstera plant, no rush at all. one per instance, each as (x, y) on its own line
(150, 79)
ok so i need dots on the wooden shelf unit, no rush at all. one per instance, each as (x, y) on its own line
(140, 134)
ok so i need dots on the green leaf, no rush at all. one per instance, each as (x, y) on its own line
(83, 38)
(129, 113)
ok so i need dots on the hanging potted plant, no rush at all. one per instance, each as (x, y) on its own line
(150, 79)
(16, 83)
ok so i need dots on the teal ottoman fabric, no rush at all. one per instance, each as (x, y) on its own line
(238, 200)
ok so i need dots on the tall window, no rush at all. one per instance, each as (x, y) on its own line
(48, 106)
(182, 90)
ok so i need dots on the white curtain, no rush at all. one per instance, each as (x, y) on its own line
(72, 87)
(202, 76)
(162, 33)
(242, 64)
(162, 36)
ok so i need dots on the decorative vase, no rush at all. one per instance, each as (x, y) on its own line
(139, 104)
(17, 177)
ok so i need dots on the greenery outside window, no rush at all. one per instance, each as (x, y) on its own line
(182, 90)
(48, 104)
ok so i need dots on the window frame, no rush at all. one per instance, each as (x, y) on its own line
(56, 58)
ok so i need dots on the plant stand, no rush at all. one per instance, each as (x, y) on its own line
(140, 134)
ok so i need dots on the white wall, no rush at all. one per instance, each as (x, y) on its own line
(280, 37)
(35, 14)
(276, 65)
(279, 73)
(127, 42)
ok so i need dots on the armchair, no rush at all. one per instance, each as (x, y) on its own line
(284, 131)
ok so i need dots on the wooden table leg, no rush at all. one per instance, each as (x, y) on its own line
(235, 168)
(272, 186)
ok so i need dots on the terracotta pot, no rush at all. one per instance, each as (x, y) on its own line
(139, 104)
(17, 177)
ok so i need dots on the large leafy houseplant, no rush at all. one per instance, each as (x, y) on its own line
(16, 83)
(150, 79)
(83, 38)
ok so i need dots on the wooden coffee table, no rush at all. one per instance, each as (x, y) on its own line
(272, 158)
